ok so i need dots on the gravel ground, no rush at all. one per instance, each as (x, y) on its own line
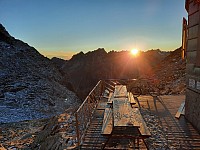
(20, 135)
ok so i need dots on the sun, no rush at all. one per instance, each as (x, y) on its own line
(134, 52)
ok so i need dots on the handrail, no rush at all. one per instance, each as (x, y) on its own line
(88, 96)
(85, 112)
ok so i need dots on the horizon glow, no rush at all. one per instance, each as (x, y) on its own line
(63, 28)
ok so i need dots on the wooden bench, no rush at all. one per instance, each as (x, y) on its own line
(127, 116)
(107, 122)
(108, 119)
(133, 102)
(122, 118)
(131, 98)
(181, 110)
(144, 131)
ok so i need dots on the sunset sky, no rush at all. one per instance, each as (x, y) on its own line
(62, 28)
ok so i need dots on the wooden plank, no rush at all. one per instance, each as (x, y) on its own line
(107, 84)
(107, 122)
(120, 91)
(123, 113)
(131, 98)
(109, 89)
(111, 96)
(114, 82)
(101, 105)
(137, 103)
(144, 131)
(181, 108)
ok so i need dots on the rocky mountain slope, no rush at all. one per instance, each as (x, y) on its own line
(171, 72)
(31, 85)
(85, 70)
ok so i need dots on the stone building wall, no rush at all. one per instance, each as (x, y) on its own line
(192, 105)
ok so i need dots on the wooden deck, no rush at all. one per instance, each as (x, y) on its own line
(180, 133)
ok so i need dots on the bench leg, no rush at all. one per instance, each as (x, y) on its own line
(136, 144)
(145, 144)
(104, 144)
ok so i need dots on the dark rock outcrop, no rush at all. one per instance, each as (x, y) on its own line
(58, 62)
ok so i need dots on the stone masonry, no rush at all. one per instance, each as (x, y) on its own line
(192, 105)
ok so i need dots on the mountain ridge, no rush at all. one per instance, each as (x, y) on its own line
(86, 69)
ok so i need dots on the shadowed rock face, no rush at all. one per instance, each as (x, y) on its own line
(85, 70)
(31, 86)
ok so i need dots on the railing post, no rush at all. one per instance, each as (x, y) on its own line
(102, 86)
(84, 116)
(77, 129)
(89, 106)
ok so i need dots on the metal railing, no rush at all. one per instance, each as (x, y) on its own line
(85, 112)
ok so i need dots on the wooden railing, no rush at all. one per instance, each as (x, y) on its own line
(85, 112)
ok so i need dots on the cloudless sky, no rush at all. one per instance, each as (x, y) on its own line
(64, 27)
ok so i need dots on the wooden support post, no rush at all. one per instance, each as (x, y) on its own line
(89, 107)
(84, 115)
(102, 86)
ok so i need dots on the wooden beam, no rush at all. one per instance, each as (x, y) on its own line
(107, 122)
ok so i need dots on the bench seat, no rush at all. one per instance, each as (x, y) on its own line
(107, 126)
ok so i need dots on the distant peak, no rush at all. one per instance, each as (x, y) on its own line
(97, 51)
(100, 49)
(78, 55)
